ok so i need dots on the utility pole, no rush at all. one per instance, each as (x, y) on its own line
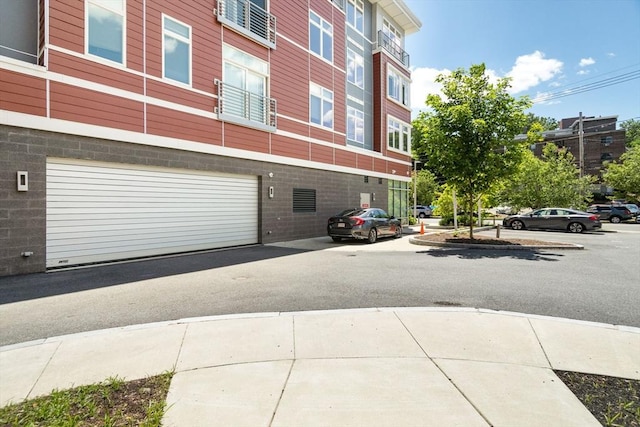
(415, 187)
(581, 144)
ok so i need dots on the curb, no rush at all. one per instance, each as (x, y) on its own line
(424, 241)
(421, 242)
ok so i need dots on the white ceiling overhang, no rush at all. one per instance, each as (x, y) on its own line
(401, 14)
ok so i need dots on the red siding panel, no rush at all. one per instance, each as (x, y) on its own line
(296, 16)
(85, 106)
(320, 153)
(173, 93)
(23, 94)
(245, 138)
(290, 85)
(321, 134)
(291, 126)
(288, 147)
(94, 71)
(66, 27)
(346, 158)
(176, 124)
(134, 44)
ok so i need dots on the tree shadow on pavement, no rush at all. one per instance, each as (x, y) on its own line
(529, 255)
(59, 282)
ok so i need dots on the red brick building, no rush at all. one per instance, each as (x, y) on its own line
(133, 128)
(601, 140)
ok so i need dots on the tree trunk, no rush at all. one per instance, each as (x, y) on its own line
(470, 215)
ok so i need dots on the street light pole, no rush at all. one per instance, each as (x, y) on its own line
(415, 188)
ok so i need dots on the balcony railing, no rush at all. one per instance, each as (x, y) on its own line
(394, 50)
(248, 19)
(245, 108)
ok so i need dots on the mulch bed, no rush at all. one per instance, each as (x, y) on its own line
(484, 240)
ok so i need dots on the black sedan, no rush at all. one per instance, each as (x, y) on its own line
(366, 224)
(554, 219)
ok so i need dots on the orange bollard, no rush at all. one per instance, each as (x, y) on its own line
(421, 227)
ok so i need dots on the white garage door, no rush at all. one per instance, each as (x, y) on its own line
(105, 211)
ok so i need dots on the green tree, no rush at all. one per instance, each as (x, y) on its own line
(547, 123)
(624, 177)
(427, 186)
(468, 137)
(553, 181)
(632, 132)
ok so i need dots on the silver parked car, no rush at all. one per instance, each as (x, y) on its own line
(421, 211)
(366, 224)
(554, 219)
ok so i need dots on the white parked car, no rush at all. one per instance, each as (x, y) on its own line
(421, 211)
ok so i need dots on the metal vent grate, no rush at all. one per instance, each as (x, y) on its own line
(304, 200)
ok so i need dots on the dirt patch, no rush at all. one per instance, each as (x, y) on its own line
(441, 238)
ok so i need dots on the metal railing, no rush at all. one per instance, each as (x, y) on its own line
(249, 19)
(394, 50)
(246, 108)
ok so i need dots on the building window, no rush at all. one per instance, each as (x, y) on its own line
(398, 136)
(606, 140)
(355, 125)
(242, 94)
(249, 18)
(397, 86)
(355, 68)
(321, 106)
(176, 49)
(105, 29)
(320, 37)
(392, 34)
(606, 157)
(355, 14)
(304, 200)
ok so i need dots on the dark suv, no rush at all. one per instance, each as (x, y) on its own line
(612, 213)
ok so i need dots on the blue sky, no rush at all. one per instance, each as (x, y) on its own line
(548, 47)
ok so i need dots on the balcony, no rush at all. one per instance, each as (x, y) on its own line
(393, 49)
(245, 108)
(248, 19)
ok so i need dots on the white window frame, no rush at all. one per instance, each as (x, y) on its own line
(398, 87)
(358, 68)
(357, 8)
(248, 65)
(401, 132)
(324, 95)
(355, 122)
(390, 31)
(122, 14)
(181, 38)
(325, 29)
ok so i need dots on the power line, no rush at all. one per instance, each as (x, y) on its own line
(622, 78)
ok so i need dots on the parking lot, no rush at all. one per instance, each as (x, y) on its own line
(599, 283)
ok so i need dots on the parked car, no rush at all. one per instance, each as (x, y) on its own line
(613, 213)
(365, 224)
(635, 211)
(554, 219)
(421, 211)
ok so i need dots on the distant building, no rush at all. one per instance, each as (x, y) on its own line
(602, 142)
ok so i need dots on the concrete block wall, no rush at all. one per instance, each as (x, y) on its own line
(23, 214)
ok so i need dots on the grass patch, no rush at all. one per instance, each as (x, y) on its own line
(615, 402)
(112, 403)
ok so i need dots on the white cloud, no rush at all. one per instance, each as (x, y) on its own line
(583, 72)
(423, 83)
(530, 70)
(584, 62)
(611, 54)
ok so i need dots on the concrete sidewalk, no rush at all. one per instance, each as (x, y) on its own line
(368, 367)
